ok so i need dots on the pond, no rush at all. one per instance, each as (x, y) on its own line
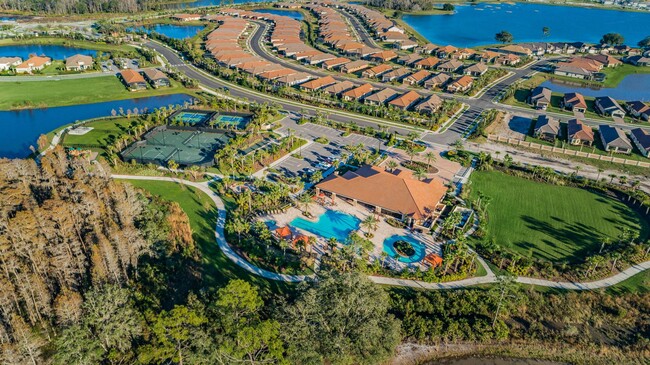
(632, 87)
(170, 30)
(290, 13)
(476, 25)
(21, 128)
(53, 51)
(199, 3)
(414, 253)
(6, 18)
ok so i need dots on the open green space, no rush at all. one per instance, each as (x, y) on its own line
(104, 133)
(556, 223)
(50, 93)
(614, 75)
(202, 213)
(639, 283)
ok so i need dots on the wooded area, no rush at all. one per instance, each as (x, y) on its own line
(81, 6)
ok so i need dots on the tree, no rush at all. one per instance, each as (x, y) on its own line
(341, 319)
(448, 7)
(419, 173)
(392, 165)
(504, 37)
(612, 39)
(237, 225)
(370, 223)
(430, 156)
(505, 295)
(645, 42)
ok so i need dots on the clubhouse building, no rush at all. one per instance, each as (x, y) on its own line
(397, 194)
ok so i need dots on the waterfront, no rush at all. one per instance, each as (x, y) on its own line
(21, 128)
(170, 30)
(53, 51)
(476, 25)
(290, 13)
(632, 87)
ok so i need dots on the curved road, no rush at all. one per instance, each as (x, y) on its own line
(488, 279)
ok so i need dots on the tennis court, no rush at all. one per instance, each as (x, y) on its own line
(231, 121)
(191, 117)
(184, 147)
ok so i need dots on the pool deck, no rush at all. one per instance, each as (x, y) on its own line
(384, 230)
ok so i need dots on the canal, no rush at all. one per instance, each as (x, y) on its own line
(20, 129)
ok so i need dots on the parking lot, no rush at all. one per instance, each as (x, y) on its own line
(318, 156)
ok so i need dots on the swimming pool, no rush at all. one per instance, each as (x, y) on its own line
(417, 245)
(331, 224)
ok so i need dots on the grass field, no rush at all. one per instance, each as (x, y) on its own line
(16, 95)
(639, 283)
(217, 268)
(104, 133)
(551, 222)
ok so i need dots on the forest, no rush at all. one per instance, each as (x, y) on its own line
(95, 271)
(82, 6)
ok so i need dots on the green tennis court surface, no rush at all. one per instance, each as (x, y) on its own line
(191, 117)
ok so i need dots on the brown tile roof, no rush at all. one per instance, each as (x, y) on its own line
(155, 74)
(358, 92)
(399, 191)
(131, 76)
(336, 61)
(379, 69)
(405, 100)
(575, 99)
(318, 83)
(578, 130)
(35, 61)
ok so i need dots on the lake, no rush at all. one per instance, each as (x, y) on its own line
(476, 25)
(199, 3)
(53, 51)
(290, 13)
(170, 30)
(21, 128)
(632, 87)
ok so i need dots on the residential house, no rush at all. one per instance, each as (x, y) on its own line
(641, 139)
(405, 44)
(335, 62)
(429, 105)
(516, 50)
(578, 133)
(156, 77)
(409, 59)
(574, 102)
(402, 196)
(354, 66)
(427, 48)
(405, 101)
(186, 17)
(395, 75)
(578, 67)
(428, 63)
(416, 78)
(546, 128)
(293, 79)
(316, 84)
(357, 93)
(381, 97)
(464, 54)
(376, 70)
(318, 59)
(133, 80)
(606, 60)
(507, 60)
(446, 51)
(461, 85)
(339, 87)
(614, 139)
(540, 97)
(35, 63)
(437, 81)
(488, 57)
(78, 62)
(450, 66)
(476, 69)
(638, 109)
(8, 62)
(384, 56)
(605, 105)
(638, 60)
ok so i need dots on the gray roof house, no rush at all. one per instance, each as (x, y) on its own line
(641, 139)
(608, 106)
(381, 97)
(614, 139)
(540, 97)
(638, 109)
(546, 128)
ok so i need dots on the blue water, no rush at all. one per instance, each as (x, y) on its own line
(20, 129)
(199, 3)
(417, 246)
(290, 13)
(52, 51)
(330, 224)
(475, 25)
(170, 30)
(6, 18)
(632, 87)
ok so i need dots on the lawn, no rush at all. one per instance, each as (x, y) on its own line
(104, 132)
(217, 268)
(50, 93)
(555, 223)
(639, 283)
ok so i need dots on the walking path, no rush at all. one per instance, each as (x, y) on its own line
(487, 279)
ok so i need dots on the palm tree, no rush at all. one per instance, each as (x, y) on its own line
(370, 223)
(305, 200)
(410, 151)
(431, 156)
(605, 242)
(599, 171)
(419, 173)
(392, 165)
(615, 257)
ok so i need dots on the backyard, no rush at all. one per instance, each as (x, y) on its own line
(556, 223)
(217, 268)
(32, 94)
